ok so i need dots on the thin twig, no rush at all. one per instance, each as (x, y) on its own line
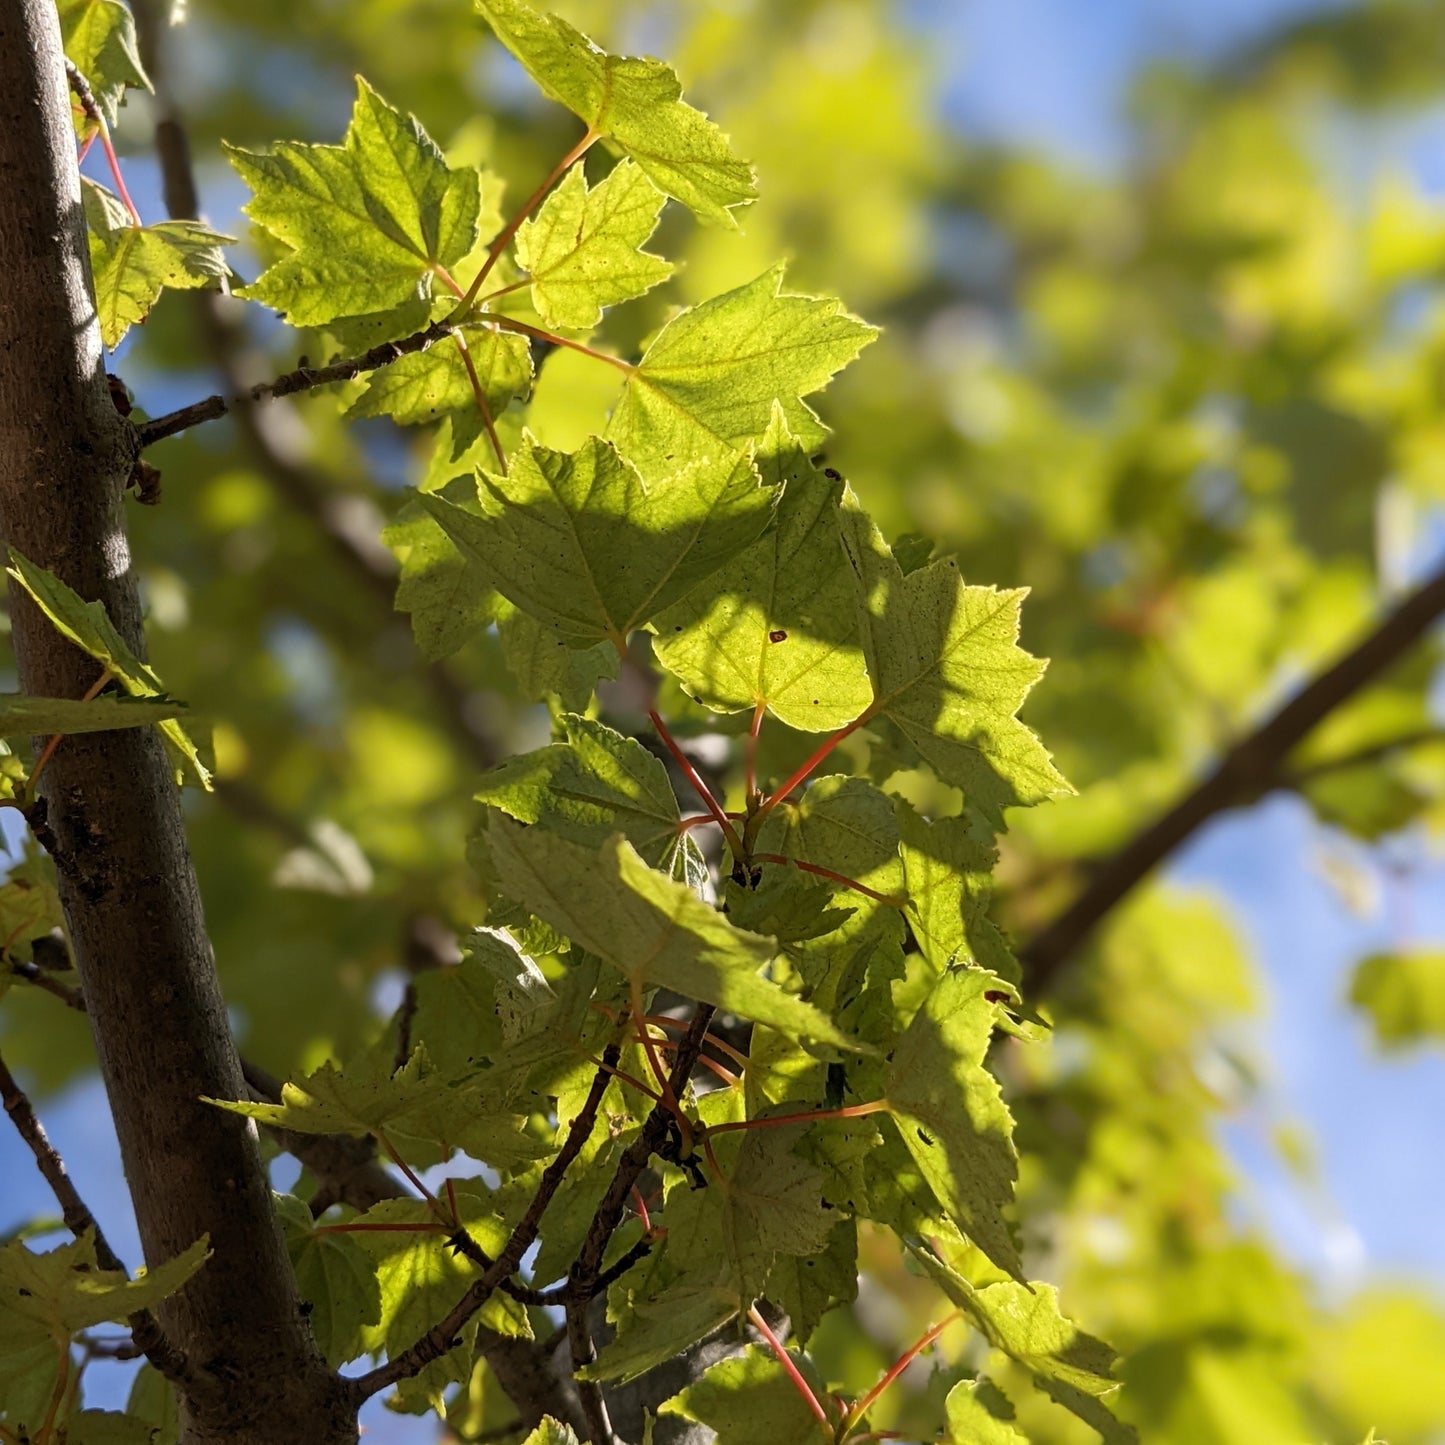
(584, 1352)
(290, 383)
(441, 1337)
(588, 1265)
(494, 251)
(480, 397)
(145, 1328)
(38, 978)
(1248, 770)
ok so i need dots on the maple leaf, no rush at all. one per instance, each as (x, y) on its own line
(635, 103)
(713, 372)
(588, 787)
(99, 38)
(655, 931)
(951, 1113)
(130, 264)
(87, 625)
(427, 385)
(583, 249)
(947, 670)
(581, 542)
(784, 631)
(366, 224)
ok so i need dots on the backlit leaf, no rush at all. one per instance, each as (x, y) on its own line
(947, 670)
(592, 785)
(130, 265)
(951, 1113)
(709, 380)
(749, 1398)
(584, 545)
(784, 631)
(99, 36)
(366, 223)
(583, 249)
(88, 627)
(633, 102)
(1024, 1322)
(652, 929)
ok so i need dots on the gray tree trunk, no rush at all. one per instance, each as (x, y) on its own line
(113, 820)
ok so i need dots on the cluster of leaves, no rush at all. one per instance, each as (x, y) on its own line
(829, 949)
(1166, 400)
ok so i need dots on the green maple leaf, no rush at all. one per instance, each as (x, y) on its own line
(592, 785)
(583, 249)
(847, 825)
(48, 1297)
(750, 1397)
(90, 629)
(21, 716)
(425, 386)
(29, 906)
(807, 1287)
(335, 1276)
(416, 1103)
(545, 664)
(366, 224)
(1404, 995)
(99, 37)
(635, 103)
(951, 1113)
(660, 1327)
(583, 544)
(784, 632)
(152, 1400)
(447, 594)
(130, 265)
(713, 373)
(947, 670)
(971, 1422)
(551, 1432)
(1025, 1322)
(948, 876)
(655, 931)
(772, 1206)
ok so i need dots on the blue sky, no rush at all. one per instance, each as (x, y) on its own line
(1054, 73)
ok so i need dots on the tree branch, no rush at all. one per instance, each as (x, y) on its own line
(291, 383)
(146, 1331)
(440, 1338)
(113, 818)
(1253, 766)
(1302, 777)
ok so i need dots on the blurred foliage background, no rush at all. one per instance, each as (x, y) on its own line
(1192, 400)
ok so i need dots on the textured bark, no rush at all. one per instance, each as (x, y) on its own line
(113, 819)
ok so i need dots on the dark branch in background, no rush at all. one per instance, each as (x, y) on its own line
(352, 538)
(1302, 777)
(1252, 767)
(145, 1328)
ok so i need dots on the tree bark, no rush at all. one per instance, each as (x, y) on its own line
(112, 818)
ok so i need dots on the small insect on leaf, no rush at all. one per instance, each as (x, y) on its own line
(777, 635)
